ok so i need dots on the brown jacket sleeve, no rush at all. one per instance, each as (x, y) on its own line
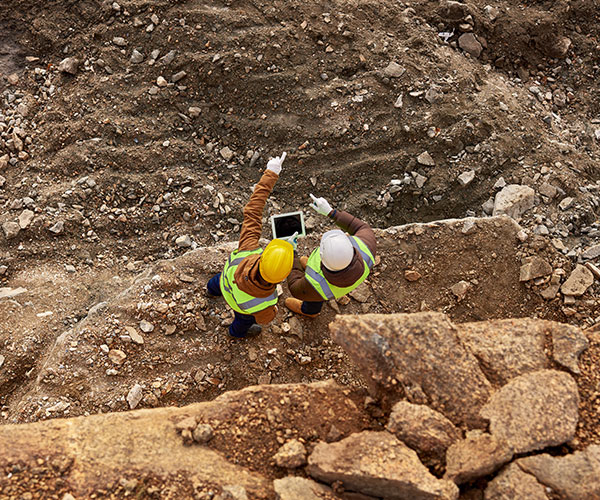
(252, 225)
(355, 227)
(299, 286)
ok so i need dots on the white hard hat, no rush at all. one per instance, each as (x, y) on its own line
(336, 250)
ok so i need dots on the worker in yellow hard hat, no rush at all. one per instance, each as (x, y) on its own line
(250, 276)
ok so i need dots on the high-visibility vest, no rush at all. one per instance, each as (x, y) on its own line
(238, 300)
(316, 278)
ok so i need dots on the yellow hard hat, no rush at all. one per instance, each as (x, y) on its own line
(276, 261)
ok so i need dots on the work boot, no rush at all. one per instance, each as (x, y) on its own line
(254, 331)
(303, 261)
(295, 305)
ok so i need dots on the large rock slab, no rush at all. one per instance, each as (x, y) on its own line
(506, 348)
(535, 410)
(300, 488)
(377, 464)
(418, 355)
(423, 429)
(572, 477)
(513, 483)
(244, 427)
(478, 455)
(513, 200)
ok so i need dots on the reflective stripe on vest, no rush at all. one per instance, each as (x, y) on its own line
(238, 300)
(317, 279)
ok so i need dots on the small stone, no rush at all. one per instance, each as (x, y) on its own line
(135, 336)
(136, 57)
(491, 12)
(161, 81)
(425, 159)
(412, 275)
(399, 101)
(513, 200)
(420, 180)
(466, 178)
(2, 180)
(2, 359)
(468, 42)
(394, 70)
(178, 76)
(578, 282)
(146, 326)
(168, 58)
(460, 289)
(184, 241)
(566, 203)
(194, 112)
(591, 252)
(13, 78)
(203, 433)
(11, 229)
(25, 218)
(134, 396)
(70, 268)
(170, 329)
(117, 356)
(120, 41)
(291, 455)
(69, 65)
(500, 183)
(536, 267)
(57, 228)
(226, 153)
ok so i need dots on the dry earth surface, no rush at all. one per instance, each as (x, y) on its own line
(132, 132)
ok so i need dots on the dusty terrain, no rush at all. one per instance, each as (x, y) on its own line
(165, 123)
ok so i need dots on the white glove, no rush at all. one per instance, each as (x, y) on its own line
(275, 163)
(293, 240)
(320, 205)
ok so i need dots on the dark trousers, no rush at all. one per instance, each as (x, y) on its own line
(311, 307)
(242, 322)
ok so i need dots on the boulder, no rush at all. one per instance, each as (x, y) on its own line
(478, 455)
(578, 282)
(423, 429)
(534, 410)
(418, 355)
(513, 200)
(377, 464)
(513, 483)
(572, 477)
(506, 348)
(568, 343)
(299, 488)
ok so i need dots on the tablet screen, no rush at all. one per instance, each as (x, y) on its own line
(287, 224)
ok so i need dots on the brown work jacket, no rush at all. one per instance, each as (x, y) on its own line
(246, 276)
(301, 288)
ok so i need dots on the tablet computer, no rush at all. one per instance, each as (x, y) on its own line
(284, 225)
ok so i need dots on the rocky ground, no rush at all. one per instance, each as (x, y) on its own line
(132, 132)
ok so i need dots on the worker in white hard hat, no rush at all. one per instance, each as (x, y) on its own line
(342, 262)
